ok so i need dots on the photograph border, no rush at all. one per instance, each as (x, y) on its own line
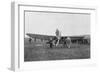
(17, 12)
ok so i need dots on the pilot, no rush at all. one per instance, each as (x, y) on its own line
(58, 36)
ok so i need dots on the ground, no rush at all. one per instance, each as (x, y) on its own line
(35, 52)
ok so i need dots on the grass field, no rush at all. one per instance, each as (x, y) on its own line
(35, 52)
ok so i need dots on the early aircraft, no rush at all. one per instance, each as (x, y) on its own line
(65, 41)
(52, 40)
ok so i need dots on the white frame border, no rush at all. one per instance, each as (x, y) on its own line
(17, 62)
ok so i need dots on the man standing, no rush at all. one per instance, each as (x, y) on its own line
(68, 41)
(30, 40)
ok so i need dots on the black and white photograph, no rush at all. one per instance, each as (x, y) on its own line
(52, 35)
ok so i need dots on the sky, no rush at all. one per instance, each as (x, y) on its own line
(46, 23)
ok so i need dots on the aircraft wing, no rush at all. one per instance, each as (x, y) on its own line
(39, 36)
(73, 38)
(47, 37)
(77, 37)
